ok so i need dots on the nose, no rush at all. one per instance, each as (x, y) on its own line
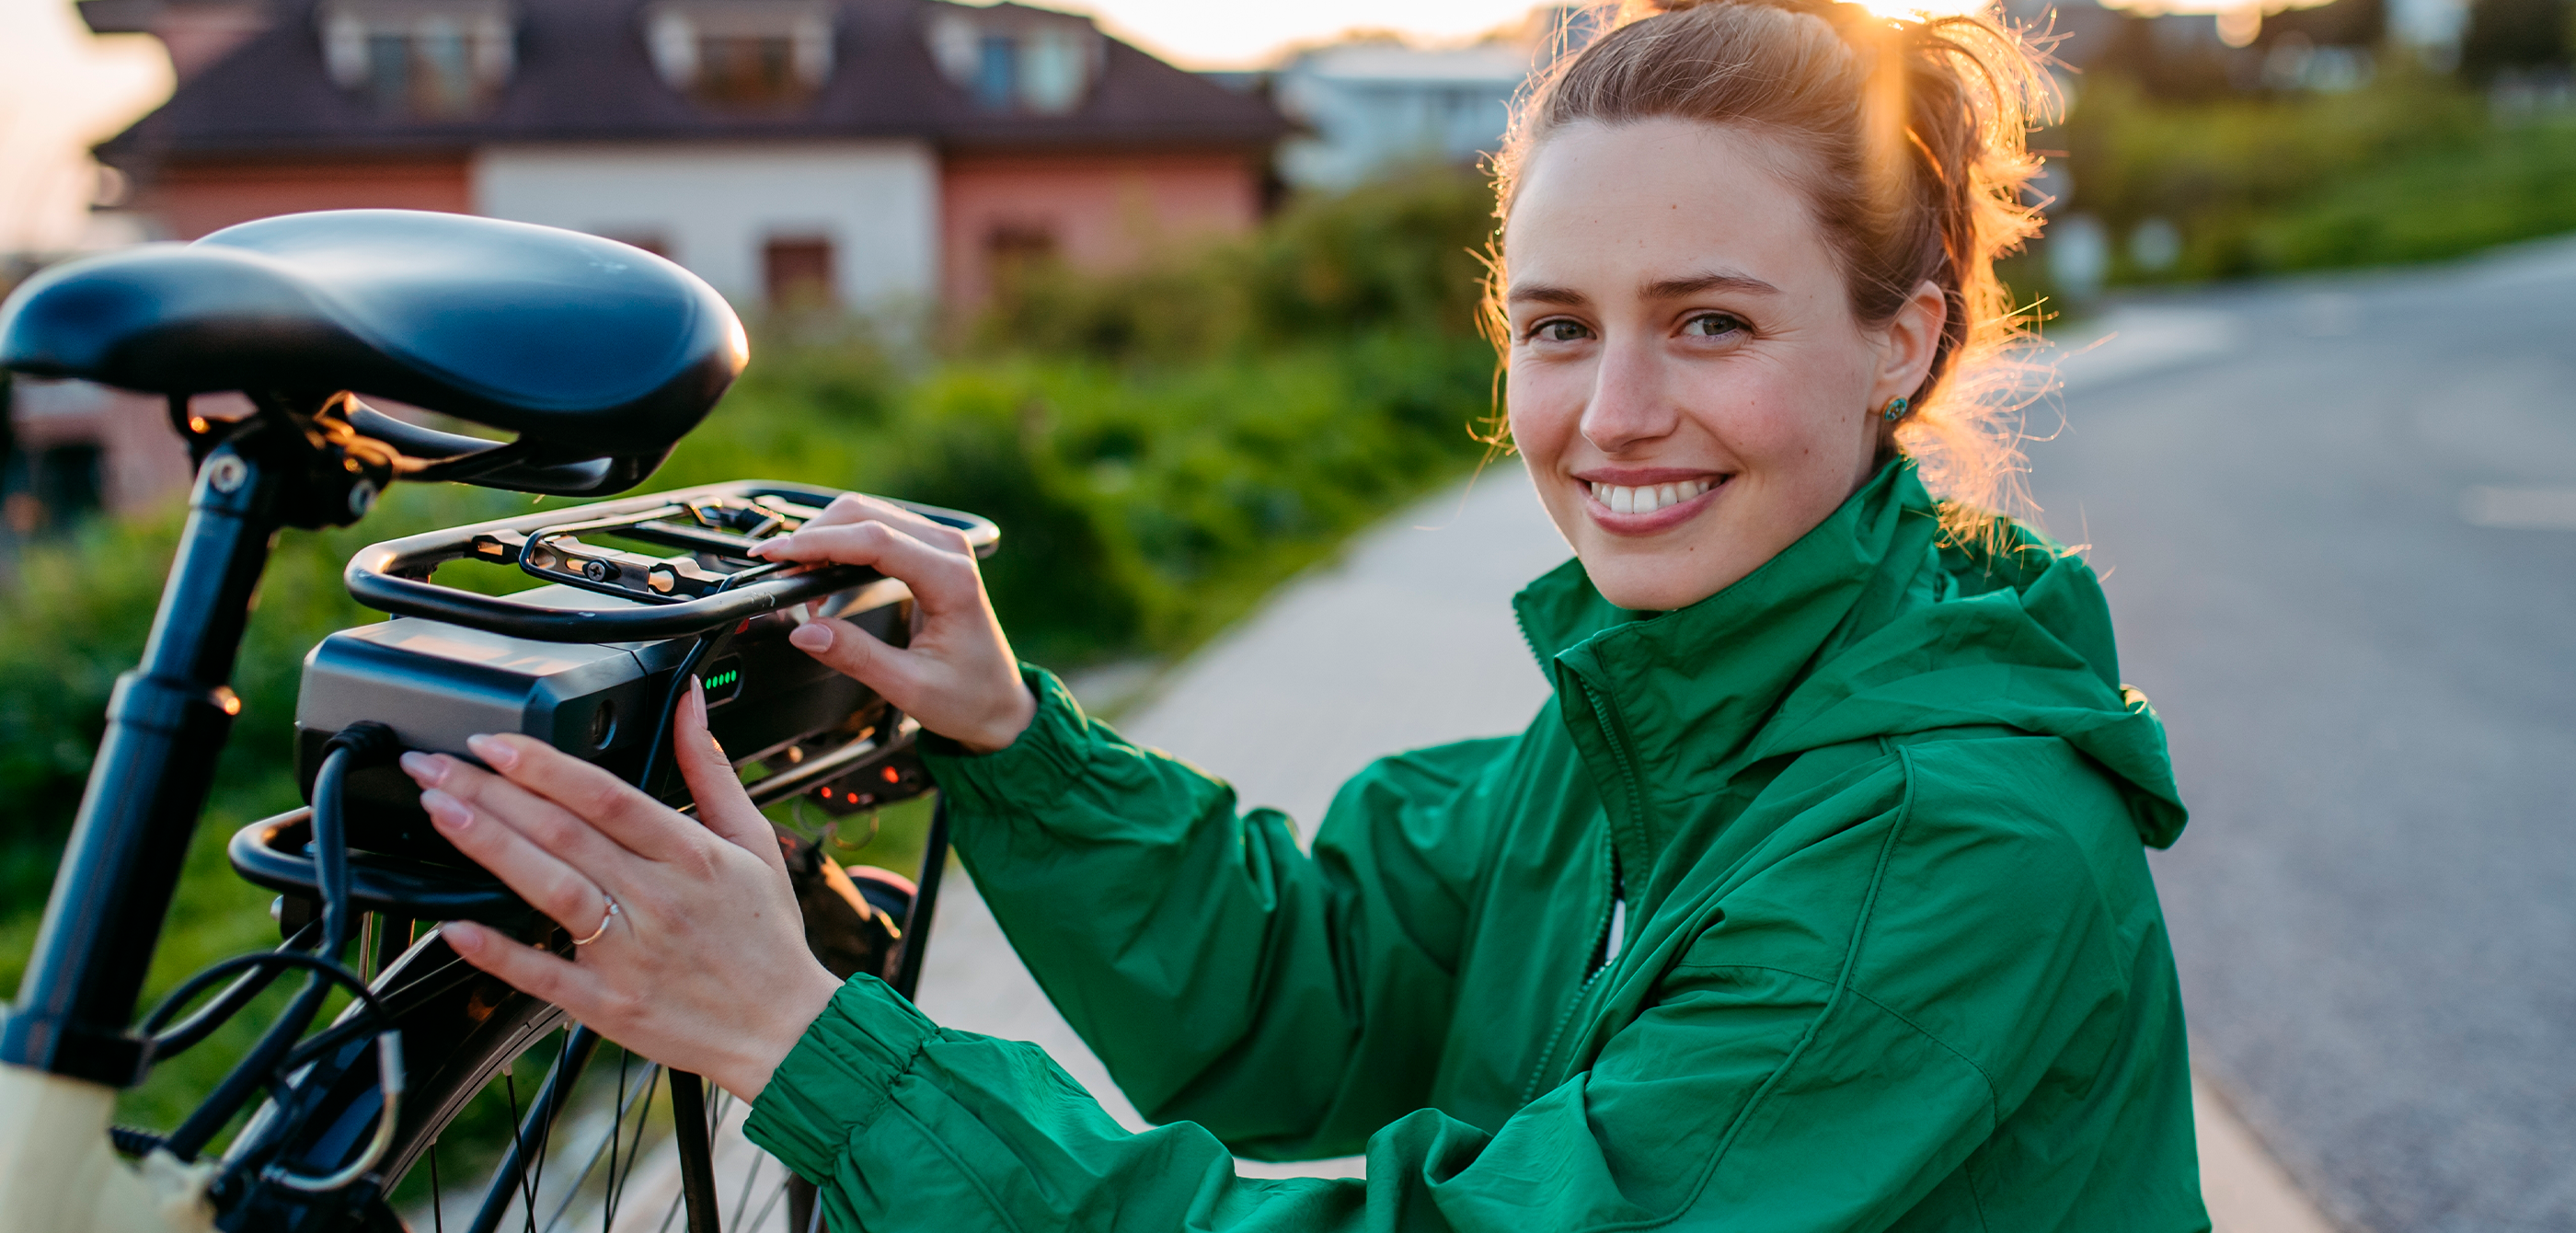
(1630, 404)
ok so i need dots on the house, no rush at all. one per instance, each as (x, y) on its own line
(1374, 103)
(867, 154)
(1378, 104)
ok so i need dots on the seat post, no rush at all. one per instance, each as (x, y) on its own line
(166, 725)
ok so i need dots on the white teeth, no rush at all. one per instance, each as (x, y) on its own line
(1646, 500)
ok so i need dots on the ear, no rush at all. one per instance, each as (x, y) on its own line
(1907, 343)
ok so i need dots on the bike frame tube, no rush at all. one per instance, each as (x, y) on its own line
(166, 725)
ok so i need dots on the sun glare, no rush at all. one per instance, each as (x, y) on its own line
(1925, 8)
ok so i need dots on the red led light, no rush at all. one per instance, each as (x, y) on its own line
(851, 797)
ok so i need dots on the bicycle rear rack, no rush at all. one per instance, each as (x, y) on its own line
(275, 853)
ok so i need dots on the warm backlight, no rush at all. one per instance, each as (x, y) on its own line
(1925, 8)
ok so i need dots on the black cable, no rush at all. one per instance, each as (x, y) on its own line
(660, 743)
(202, 1024)
(325, 969)
(363, 742)
(661, 740)
(257, 1070)
(263, 1066)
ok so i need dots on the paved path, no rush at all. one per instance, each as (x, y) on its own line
(2338, 525)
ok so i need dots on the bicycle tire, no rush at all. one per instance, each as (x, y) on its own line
(463, 1029)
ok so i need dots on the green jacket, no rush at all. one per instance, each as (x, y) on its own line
(1888, 957)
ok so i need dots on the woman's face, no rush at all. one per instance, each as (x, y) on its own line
(1688, 384)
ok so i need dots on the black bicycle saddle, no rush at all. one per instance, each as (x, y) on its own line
(584, 347)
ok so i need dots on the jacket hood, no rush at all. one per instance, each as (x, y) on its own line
(1868, 626)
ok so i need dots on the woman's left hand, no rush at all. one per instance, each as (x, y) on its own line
(702, 965)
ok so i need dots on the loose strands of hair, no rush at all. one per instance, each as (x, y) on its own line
(1911, 136)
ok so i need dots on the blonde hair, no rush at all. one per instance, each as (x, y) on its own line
(1916, 171)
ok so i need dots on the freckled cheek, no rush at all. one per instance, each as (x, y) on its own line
(1767, 425)
(1544, 407)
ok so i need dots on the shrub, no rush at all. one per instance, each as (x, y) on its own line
(2411, 168)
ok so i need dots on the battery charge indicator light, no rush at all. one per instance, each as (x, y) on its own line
(723, 681)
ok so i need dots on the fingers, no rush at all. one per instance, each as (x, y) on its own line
(617, 809)
(852, 507)
(548, 824)
(943, 580)
(722, 804)
(551, 886)
(854, 652)
(526, 968)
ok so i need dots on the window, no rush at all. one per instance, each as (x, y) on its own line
(756, 55)
(797, 273)
(997, 71)
(1013, 254)
(1017, 60)
(426, 59)
(748, 72)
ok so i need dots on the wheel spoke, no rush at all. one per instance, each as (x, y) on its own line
(606, 1145)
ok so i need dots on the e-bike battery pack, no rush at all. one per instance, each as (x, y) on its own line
(435, 684)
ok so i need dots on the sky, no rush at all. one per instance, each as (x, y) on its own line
(61, 89)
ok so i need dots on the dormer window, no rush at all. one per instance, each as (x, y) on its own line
(427, 59)
(742, 54)
(1009, 58)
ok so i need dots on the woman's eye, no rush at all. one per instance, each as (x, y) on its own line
(1559, 330)
(1714, 325)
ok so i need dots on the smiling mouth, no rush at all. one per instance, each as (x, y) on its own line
(1648, 498)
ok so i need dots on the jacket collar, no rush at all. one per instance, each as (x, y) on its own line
(1667, 708)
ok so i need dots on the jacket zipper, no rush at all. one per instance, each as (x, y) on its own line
(1574, 1004)
(1614, 917)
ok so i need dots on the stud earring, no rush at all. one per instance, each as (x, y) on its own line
(1895, 410)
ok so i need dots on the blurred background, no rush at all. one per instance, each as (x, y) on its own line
(1183, 295)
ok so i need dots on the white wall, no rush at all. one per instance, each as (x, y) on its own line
(717, 205)
(1372, 106)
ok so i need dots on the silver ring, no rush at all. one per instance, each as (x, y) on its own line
(604, 918)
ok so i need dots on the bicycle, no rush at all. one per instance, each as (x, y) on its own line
(599, 358)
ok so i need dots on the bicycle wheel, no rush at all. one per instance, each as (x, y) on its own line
(603, 1140)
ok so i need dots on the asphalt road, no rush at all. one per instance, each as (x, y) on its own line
(2337, 521)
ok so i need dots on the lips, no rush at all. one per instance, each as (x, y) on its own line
(1647, 498)
(1628, 501)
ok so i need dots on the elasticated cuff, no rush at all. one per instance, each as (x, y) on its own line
(1046, 759)
(837, 1077)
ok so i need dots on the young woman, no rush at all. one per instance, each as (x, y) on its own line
(1815, 900)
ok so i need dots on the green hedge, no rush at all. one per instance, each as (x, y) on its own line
(2413, 167)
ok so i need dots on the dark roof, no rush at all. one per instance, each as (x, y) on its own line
(583, 75)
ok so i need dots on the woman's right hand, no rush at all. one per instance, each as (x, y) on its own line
(958, 676)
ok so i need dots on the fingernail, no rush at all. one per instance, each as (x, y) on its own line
(492, 749)
(812, 636)
(462, 936)
(424, 770)
(448, 812)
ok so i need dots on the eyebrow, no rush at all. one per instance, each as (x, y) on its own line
(1676, 288)
(1661, 289)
